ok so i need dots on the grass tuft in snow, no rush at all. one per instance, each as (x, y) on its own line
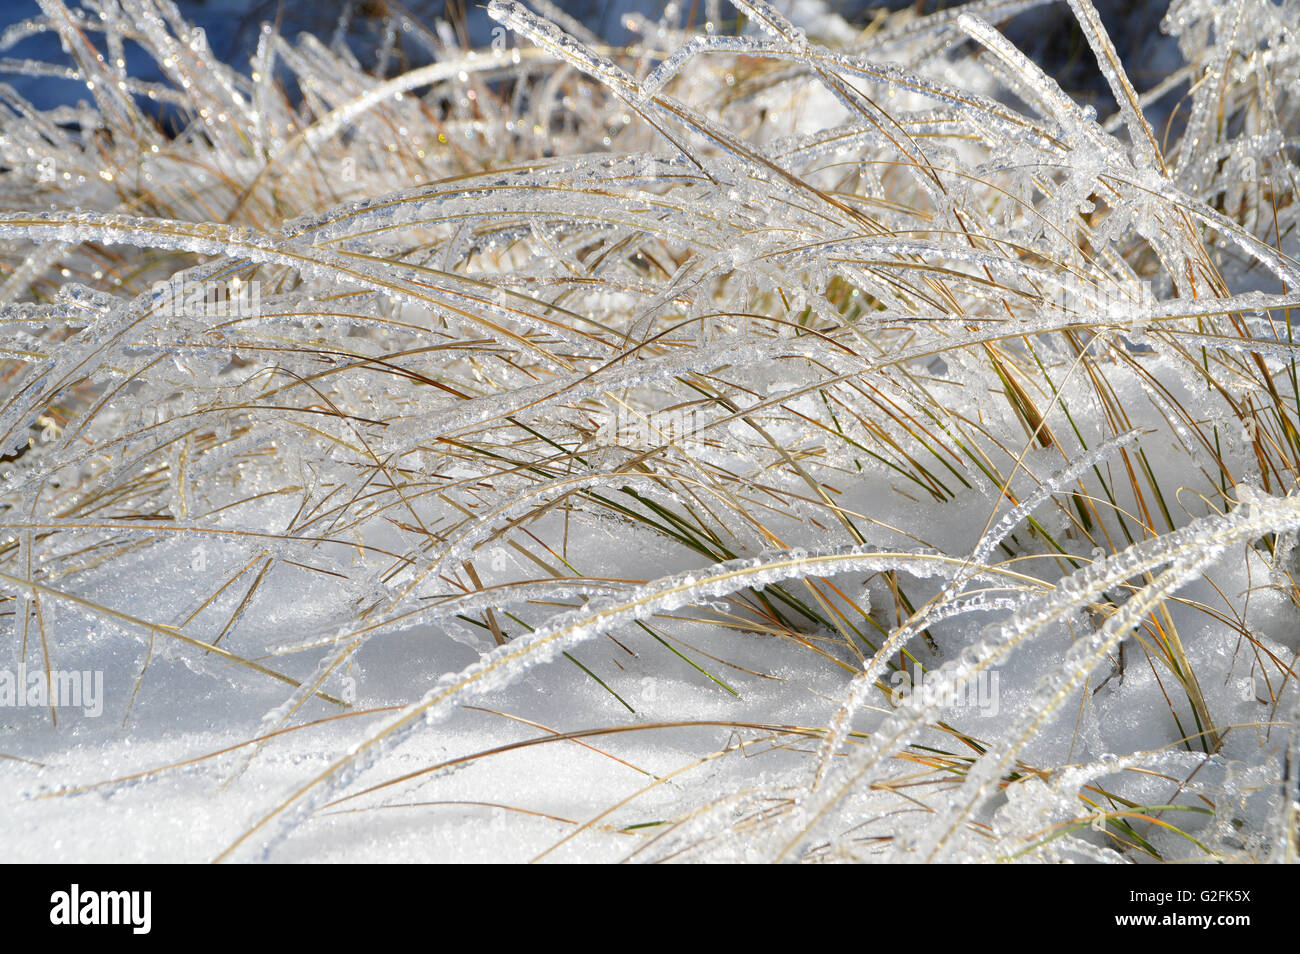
(844, 438)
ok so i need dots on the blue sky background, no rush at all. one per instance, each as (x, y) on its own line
(1047, 33)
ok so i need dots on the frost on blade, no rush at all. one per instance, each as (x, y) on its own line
(551, 38)
(367, 407)
(1187, 552)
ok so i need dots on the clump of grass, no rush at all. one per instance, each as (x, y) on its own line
(879, 354)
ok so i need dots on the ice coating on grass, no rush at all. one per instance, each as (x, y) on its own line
(508, 663)
(1055, 484)
(551, 38)
(1188, 552)
(397, 393)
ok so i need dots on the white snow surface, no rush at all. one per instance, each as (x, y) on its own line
(806, 445)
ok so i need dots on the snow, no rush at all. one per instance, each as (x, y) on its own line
(810, 444)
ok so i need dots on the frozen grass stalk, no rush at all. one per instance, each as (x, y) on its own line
(654, 413)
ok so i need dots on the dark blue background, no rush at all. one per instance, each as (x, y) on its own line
(1048, 34)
